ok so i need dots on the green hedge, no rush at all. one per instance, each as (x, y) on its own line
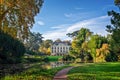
(11, 50)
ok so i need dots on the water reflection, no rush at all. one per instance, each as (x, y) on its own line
(53, 64)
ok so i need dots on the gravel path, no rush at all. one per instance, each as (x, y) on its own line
(62, 75)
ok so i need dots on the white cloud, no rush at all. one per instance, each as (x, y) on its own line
(68, 15)
(60, 26)
(56, 34)
(41, 23)
(96, 25)
(78, 16)
(59, 33)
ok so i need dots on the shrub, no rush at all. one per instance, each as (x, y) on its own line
(31, 52)
(11, 50)
(31, 60)
(68, 58)
(111, 57)
(46, 59)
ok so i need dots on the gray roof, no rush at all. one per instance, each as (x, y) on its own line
(63, 42)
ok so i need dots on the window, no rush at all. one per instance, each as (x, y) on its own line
(69, 48)
(52, 51)
(66, 48)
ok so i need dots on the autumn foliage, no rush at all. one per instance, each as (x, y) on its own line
(18, 14)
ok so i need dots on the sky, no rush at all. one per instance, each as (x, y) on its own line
(59, 17)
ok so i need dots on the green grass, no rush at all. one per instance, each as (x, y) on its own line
(54, 58)
(32, 60)
(35, 73)
(100, 71)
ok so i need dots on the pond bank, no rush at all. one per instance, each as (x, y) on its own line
(34, 72)
(11, 69)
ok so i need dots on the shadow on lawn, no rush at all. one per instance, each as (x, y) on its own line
(6, 69)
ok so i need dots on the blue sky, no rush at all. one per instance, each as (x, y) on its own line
(59, 17)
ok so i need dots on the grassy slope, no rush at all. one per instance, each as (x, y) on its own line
(54, 58)
(100, 71)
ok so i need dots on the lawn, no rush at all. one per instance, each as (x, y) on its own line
(54, 58)
(34, 73)
(82, 71)
(98, 71)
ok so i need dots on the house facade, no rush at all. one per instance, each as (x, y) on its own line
(60, 48)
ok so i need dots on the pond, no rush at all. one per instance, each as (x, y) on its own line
(50, 65)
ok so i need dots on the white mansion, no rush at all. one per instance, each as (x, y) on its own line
(60, 48)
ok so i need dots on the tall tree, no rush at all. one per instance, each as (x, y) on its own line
(74, 34)
(33, 42)
(18, 14)
(95, 43)
(102, 53)
(45, 47)
(114, 28)
(117, 3)
(79, 43)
